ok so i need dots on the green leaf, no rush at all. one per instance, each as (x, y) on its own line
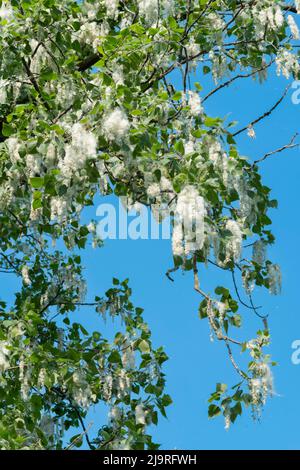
(166, 400)
(213, 411)
(179, 147)
(114, 358)
(7, 130)
(37, 204)
(37, 182)
(212, 122)
(144, 346)
(221, 387)
(177, 96)
(76, 440)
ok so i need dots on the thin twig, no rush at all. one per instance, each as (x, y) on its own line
(35, 84)
(228, 82)
(266, 114)
(239, 297)
(78, 438)
(279, 150)
(217, 330)
(74, 407)
(239, 371)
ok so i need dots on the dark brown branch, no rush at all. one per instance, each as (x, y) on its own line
(10, 263)
(228, 82)
(63, 113)
(252, 307)
(171, 270)
(199, 17)
(233, 18)
(279, 150)
(220, 336)
(74, 407)
(79, 438)
(239, 371)
(149, 83)
(289, 8)
(35, 83)
(266, 114)
(89, 62)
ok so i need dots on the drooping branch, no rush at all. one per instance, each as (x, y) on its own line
(266, 114)
(289, 8)
(78, 439)
(85, 429)
(288, 146)
(35, 84)
(88, 62)
(229, 82)
(220, 336)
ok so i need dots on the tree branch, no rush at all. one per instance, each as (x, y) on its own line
(228, 82)
(266, 114)
(289, 8)
(35, 83)
(78, 438)
(279, 150)
(89, 62)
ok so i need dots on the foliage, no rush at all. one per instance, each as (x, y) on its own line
(87, 103)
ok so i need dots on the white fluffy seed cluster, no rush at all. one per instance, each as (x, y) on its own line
(149, 8)
(140, 414)
(261, 386)
(272, 16)
(227, 420)
(158, 190)
(195, 103)
(189, 147)
(118, 385)
(47, 425)
(4, 355)
(293, 27)
(107, 387)
(215, 152)
(4, 84)
(42, 377)
(266, 15)
(192, 48)
(6, 11)
(111, 8)
(24, 378)
(234, 245)
(248, 281)
(115, 415)
(83, 146)
(275, 279)
(188, 232)
(128, 357)
(25, 275)
(123, 384)
(259, 252)
(81, 390)
(90, 33)
(287, 63)
(116, 125)
(251, 132)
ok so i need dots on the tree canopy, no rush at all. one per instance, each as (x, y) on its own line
(88, 105)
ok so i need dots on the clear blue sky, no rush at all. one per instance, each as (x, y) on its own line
(195, 363)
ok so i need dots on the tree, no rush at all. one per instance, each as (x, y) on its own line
(87, 103)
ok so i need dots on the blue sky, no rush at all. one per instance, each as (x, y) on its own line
(195, 363)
